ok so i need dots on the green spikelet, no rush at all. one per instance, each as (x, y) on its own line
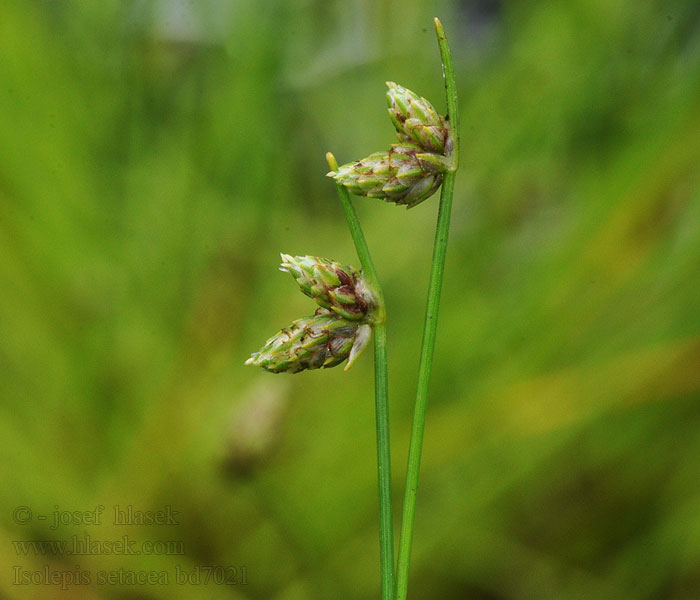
(416, 120)
(405, 175)
(322, 340)
(333, 286)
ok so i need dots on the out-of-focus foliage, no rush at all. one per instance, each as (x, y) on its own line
(156, 156)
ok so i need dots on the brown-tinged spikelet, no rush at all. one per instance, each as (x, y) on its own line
(405, 175)
(320, 341)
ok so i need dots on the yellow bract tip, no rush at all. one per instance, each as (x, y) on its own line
(332, 163)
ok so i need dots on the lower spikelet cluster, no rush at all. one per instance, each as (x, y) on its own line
(338, 330)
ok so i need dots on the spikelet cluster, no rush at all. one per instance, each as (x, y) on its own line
(340, 328)
(412, 170)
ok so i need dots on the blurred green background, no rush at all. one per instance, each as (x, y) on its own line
(156, 156)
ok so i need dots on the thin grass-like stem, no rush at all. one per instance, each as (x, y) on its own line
(381, 394)
(430, 327)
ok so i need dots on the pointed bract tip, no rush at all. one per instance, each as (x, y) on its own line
(362, 337)
(332, 162)
(439, 30)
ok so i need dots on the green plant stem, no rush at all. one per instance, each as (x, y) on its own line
(386, 532)
(430, 327)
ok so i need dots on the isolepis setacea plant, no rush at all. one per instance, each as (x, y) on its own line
(350, 303)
